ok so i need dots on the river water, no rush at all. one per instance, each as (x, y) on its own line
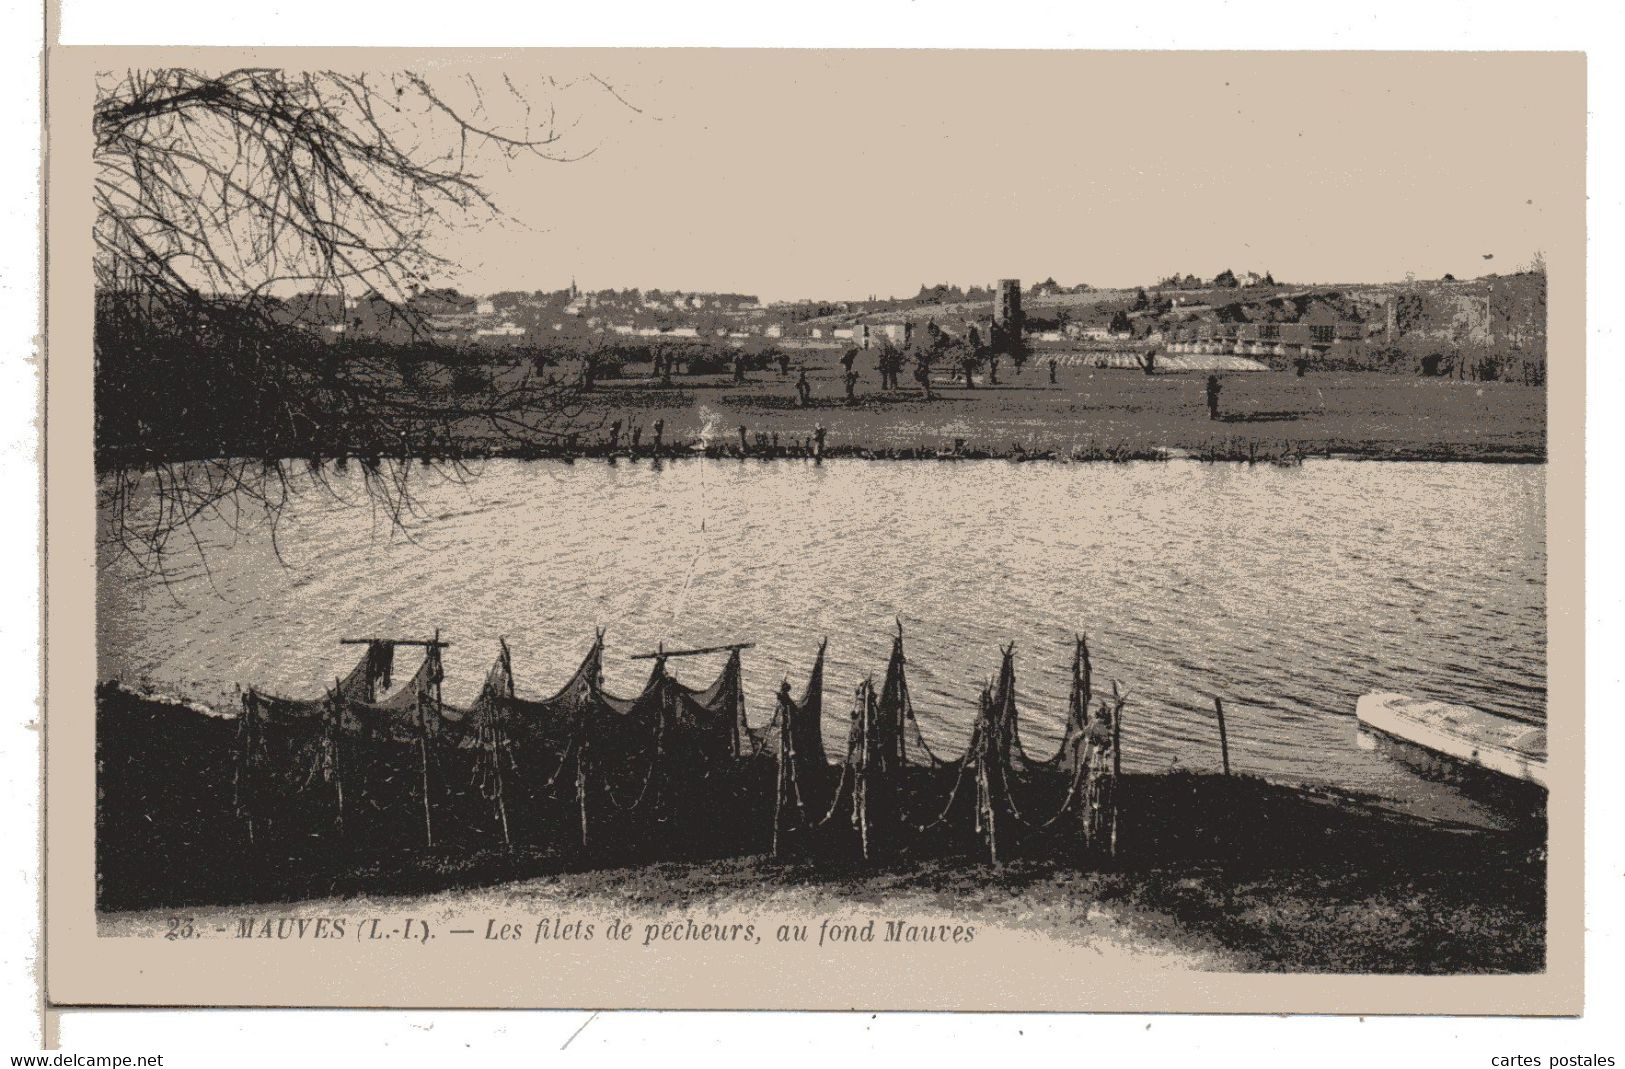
(1286, 591)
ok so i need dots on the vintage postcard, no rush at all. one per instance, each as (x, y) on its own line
(946, 530)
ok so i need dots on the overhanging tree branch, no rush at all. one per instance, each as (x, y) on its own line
(216, 195)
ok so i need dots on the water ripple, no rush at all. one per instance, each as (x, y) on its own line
(1286, 592)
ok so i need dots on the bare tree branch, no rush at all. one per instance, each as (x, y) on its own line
(219, 401)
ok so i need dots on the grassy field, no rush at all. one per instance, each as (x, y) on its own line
(1363, 414)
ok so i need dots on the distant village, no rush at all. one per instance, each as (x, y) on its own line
(1246, 314)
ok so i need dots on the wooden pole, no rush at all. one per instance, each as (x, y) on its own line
(501, 740)
(1098, 783)
(498, 749)
(433, 644)
(984, 792)
(860, 786)
(581, 788)
(741, 727)
(241, 789)
(663, 652)
(434, 648)
(1088, 672)
(1084, 679)
(782, 782)
(1224, 741)
(334, 730)
(423, 765)
(502, 797)
(1117, 758)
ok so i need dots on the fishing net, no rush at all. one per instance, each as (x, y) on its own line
(409, 714)
(285, 743)
(897, 728)
(710, 723)
(1012, 753)
(498, 718)
(1011, 794)
(670, 757)
(802, 721)
(371, 672)
(795, 740)
(521, 745)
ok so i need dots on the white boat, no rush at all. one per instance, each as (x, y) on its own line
(1453, 741)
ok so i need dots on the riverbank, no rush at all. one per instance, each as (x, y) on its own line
(1213, 871)
(1355, 914)
(1089, 414)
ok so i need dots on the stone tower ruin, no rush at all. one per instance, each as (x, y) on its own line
(1008, 322)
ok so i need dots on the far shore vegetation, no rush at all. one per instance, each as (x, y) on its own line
(180, 391)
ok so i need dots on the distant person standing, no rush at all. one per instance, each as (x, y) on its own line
(784, 364)
(1150, 362)
(1052, 371)
(1302, 364)
(922, 375)
(739, 366)
(851, 384)
(1213, 389)
(890, 362)
(992, 371)
(803, 390)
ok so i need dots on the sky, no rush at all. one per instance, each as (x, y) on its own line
(834, 175)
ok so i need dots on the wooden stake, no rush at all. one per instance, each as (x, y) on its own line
(1117, 731)
(502, 805)
(502, 783)
(984, 796)
(1117, 758)
(782, 786)
(860, 785)
(424, 735)
(423, 752)
(581, 789)
(333, 732)
(497, 750)
(1224, 741)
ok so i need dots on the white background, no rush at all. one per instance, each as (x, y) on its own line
(320, 1038)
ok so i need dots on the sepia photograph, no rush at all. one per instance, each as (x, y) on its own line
(850, 523)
